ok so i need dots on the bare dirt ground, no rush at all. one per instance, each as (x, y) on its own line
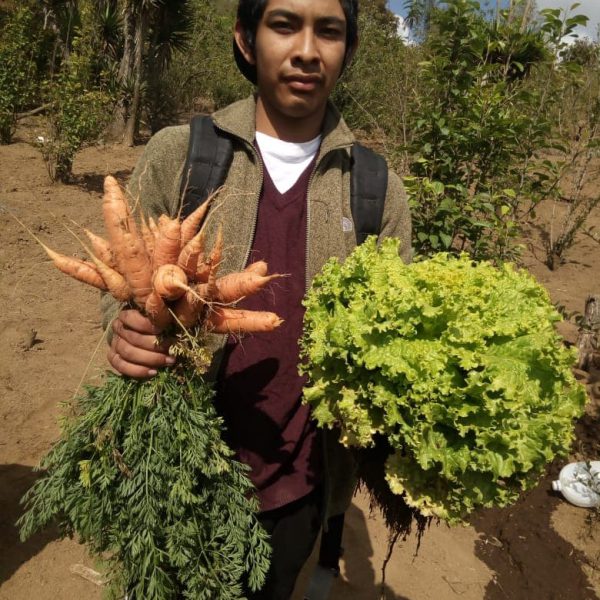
(51, 341)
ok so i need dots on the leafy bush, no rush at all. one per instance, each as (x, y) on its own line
(18, 68)
(80, 110)
(453, 218)
(497, 128)
(476, 133)
(456, 365)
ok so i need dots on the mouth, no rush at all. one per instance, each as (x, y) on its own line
(303, 83)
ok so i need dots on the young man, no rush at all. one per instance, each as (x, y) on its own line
(287, 201)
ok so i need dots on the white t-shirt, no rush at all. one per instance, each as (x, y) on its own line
(286, 161)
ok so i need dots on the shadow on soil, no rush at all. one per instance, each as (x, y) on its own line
(15, 480)
(359, 563)
(529, 558)
(94, 182)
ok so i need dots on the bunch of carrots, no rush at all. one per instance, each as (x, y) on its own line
(141, 472)
(163, 269)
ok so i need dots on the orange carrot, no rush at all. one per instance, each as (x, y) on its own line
(153, 227)
(189, 256)
(211, 282)
(189, 308)
(259, 267)
(128, 248)
(203, 271)
(191, 224)
(147, 235)
(134, 264)
(157, 311)
(237, 321)
(234, 286)
(76, 268)
(207, 290)
(167, 245)
(216, 253)
(170, 282)
(116, 284)
(117, 213)
(207, 269)
(101, 248)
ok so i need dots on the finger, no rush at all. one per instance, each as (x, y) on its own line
(144, 341)
(119, 364)
(140, 356)
(136, 321)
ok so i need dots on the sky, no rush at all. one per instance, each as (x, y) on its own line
(590, 8)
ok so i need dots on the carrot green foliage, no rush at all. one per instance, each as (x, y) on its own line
(142, 475)
(455, 364)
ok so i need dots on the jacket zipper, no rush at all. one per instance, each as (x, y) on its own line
(255, 223)
(262, 176)
(306, 257)
(256, 155)
(326, 466)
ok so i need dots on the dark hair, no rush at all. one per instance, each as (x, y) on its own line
(249, 14)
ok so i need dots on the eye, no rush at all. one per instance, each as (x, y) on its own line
(282, 26)
(332, 32)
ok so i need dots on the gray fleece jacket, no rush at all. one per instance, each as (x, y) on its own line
(156, 183)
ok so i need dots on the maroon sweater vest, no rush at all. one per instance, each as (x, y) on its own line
(259, 392)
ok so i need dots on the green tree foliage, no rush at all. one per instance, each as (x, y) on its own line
(480, 131)
(80, 94)
(584, 53)
(376, 89)
(169, 33)
(20, 41)
(152, 31)
(79, 112)
(419, 13)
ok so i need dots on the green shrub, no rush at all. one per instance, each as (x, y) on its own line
(476, 134)
(19, 42)
(80, 110)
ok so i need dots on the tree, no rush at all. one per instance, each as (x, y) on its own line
(20, 40)
(419, 14)
(151, 31)
(79, 92)
(170, 32)
(584, 53)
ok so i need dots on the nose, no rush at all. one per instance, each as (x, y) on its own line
(306, 51)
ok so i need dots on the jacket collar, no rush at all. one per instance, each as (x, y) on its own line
(239, 119)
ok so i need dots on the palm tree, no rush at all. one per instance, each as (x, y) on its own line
(61, 17)
(152, 31)
(170, 32)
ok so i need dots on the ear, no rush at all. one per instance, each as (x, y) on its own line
(242, 44)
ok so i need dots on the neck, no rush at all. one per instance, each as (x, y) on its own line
(286, 128)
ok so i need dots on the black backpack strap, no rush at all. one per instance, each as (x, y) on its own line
(209, 157)
(208, 160)
(368, 191)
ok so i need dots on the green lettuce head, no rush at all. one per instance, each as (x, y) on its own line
(456, 364)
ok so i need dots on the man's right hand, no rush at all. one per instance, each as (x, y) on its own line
(135, 350)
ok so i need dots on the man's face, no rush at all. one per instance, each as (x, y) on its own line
(300, 48)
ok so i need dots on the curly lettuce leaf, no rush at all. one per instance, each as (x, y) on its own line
(457, 364)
